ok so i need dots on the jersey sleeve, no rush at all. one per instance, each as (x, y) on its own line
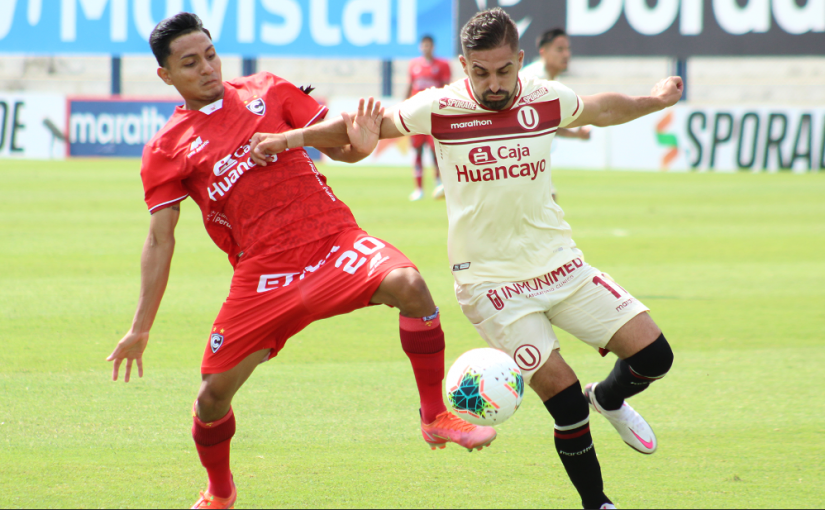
(571, 104)
(162, 183)
(299, 109)
(413, 116)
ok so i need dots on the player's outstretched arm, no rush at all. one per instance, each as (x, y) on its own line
(363, 128)
(154, 274)
(351, 137)
(582, 133)
(610, 108)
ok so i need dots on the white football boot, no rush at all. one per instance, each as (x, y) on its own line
(608, 506)
(628, 423)
(416, 195)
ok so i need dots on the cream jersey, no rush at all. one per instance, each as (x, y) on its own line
(495, 167)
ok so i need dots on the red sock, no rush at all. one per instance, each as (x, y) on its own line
(212, 441)
(423, 342)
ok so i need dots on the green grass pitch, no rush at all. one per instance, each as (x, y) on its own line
(732, 266)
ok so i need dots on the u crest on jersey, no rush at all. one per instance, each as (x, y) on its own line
(528, 117)
(256, 106)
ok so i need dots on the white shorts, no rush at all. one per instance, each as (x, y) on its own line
(516, 317)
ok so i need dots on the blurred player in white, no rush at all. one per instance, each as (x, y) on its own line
(554, 57)
(426, 71)
(517, 270)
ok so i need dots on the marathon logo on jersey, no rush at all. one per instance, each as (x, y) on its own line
(447, 102)
(534, 95)
(215, 342)
(471, 124)
(197, 146)
(545, 284)
(487, 155)
(257, 106)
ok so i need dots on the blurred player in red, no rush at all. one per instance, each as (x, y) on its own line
(426, 71)
(298, 254)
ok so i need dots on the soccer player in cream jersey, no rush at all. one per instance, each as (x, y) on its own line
(516, 267)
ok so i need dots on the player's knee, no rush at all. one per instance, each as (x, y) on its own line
(569, 406)
(654, 361)
(412, 293)
(212, 401)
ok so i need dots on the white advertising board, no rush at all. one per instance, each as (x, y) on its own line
(681, 138)
(32, 126)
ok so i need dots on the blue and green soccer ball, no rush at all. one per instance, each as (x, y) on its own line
(485, 386)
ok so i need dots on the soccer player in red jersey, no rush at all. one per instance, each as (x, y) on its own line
(298, 254)
(426, 71)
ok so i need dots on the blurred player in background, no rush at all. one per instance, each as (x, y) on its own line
(426, 71)
(517, 270)
(554, 57)
(298, 254)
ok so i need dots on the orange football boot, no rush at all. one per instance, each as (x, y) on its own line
(211, 501)
(449, 428)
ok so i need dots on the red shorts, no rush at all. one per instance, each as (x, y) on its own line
(273, 297)
(419, 140)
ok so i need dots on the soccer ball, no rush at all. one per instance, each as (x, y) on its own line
(485, 386)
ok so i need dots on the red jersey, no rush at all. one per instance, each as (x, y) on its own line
(246, 209)
(425, 74)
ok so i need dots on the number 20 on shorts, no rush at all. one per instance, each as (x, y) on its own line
(352, 261)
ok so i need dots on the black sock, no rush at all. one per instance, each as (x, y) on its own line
(575, 445)
(634, 374)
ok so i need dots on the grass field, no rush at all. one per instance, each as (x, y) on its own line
(732, 266)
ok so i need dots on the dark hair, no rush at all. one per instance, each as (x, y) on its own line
(170, 29)
(428, 38)
(489, 29)
(550, 36)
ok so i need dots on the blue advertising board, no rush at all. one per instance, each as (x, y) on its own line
(115, 127)
(249, 28)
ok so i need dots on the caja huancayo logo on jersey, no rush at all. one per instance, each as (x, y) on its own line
(511, 166)
(235, 165)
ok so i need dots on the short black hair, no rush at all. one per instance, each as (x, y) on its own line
(550, 36)
(428, 38)
(489, 29)
(170, 29)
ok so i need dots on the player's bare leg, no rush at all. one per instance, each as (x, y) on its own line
(644, 357)
(214, 426)
(423, 341)
(559, 388)
(418, 174)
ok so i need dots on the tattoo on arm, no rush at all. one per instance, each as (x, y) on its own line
(176, 207)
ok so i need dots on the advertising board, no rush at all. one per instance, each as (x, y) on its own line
(675, 28)
(115, 127)
(32, 126)
(319, 28)
(685, 138)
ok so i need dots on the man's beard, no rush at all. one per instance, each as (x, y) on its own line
(495, 105)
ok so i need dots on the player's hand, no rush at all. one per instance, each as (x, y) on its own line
(669, 90)
(584, 132)
(130, 348)
(264, 145)
(364, 128)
